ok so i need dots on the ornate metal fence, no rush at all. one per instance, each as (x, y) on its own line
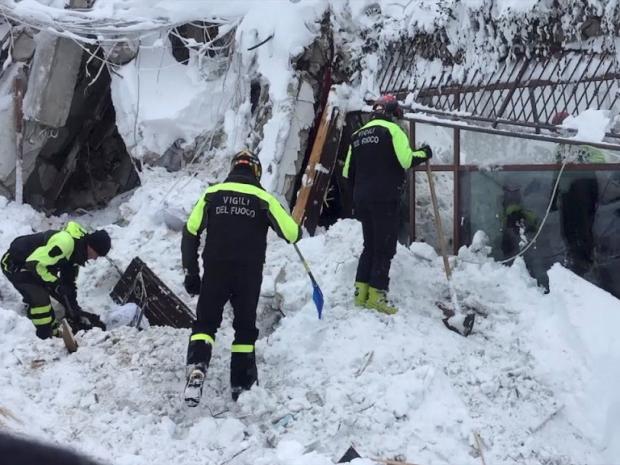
(526, 92)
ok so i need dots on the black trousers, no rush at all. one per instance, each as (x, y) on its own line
(380, 229)
(578, 212)
(36, 297)
(223, 281)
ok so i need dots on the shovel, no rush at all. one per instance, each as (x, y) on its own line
(454, 319)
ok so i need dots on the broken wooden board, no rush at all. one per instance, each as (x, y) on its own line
(319, 170)
(160, 305)
(67, 336)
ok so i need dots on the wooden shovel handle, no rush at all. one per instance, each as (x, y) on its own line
(440, 234)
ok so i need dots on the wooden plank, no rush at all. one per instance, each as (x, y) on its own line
(141, 286)
(323, 174)
(67, 336)
(307, 183)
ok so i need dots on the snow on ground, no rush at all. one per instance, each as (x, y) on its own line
(537, 379)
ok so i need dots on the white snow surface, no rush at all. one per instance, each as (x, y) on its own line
(537, 379)
(159, 101)
(591, 125)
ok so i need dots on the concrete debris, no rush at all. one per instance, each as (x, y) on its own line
(23, 45)
(53, 75)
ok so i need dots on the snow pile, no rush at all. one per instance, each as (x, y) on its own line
(161, 102)
(536, 379)
(584, 318)
(591, 125)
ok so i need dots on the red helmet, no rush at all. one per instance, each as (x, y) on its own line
(559, 118)
(388, 104)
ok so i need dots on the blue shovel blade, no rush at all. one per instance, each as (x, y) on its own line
(317, 297)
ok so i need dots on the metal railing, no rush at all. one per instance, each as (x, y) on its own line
(525, 94)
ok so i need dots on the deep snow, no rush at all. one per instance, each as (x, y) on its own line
(537, 379)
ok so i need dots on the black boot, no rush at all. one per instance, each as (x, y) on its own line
(44, 331)
(193, 388)
(243, 372)
(198, 358)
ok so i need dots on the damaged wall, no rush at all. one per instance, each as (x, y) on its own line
(52, 79)
(269, 92)
(68, 118)
(85, 163)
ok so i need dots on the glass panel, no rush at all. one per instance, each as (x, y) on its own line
(439, 138)
(582, 230)
(482, 149)
(478, 148)
(424, 214)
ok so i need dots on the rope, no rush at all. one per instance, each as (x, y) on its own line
(542, 223)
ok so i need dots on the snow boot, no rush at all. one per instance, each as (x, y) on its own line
(243, 372)
(361, 294)
(195, 380)
(377, 300)
(198, 358)
(56, 328)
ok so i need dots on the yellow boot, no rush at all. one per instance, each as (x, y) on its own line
(361, 294)
(377, 300)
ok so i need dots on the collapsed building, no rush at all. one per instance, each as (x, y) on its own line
(492, 99)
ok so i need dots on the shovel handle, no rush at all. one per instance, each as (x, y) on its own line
(438, 224)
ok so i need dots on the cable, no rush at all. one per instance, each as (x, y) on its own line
(542, 223)
(105, 30)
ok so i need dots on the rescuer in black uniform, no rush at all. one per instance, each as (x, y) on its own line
(577, 198)
(236, 215)
(46, 264)
(376, 162)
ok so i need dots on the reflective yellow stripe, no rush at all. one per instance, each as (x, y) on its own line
(244, 348)
(202, 337)
(41, 255)
(287, 225)
(196, 217)
(513, 208)
(42, 321)
(40, 310)
(75, 229)
(347, 164)
(5, 261)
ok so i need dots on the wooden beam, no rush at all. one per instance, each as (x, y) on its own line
(307, 182)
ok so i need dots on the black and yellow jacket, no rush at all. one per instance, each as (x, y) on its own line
(236, 215)
(50, 256)
(377, 159)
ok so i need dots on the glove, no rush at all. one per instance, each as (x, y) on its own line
(427, 151)
(88, 320)
(192, 284)
(65, 294)
(80, 320)
(63, 290)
